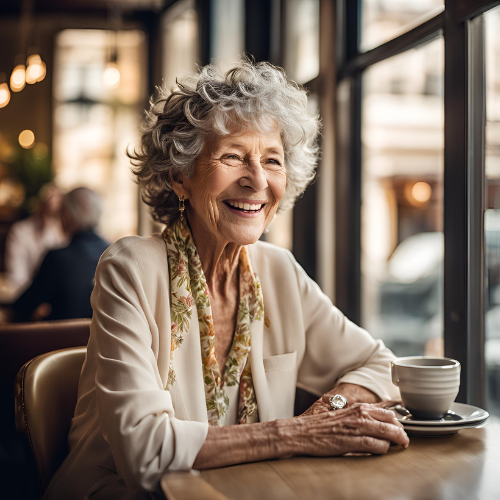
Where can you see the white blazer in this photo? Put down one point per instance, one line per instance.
(128, 428)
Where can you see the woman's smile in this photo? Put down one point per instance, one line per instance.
(244, 207)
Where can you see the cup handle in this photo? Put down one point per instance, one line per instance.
(394, 374)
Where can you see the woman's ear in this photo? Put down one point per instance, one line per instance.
(179, 184)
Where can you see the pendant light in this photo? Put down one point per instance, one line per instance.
(4, 91)
(18, 76)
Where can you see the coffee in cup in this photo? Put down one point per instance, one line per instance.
(428, 385)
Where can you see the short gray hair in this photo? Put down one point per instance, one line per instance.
(258, 95)
(84, 207)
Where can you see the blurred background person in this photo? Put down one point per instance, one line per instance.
(29, 240)
(62, 287)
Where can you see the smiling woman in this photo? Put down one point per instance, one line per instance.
(204, 327)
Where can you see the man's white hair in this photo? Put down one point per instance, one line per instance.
(84, 207)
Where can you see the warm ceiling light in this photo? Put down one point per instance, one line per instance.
(35, 71)
(111, 75)
(4, 95)
(27, 139)
(18, 78)
(421, 192)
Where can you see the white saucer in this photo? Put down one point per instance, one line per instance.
(469, 413)
(416, 430)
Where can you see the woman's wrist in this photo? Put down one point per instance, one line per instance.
(288, 432)
(355, 394)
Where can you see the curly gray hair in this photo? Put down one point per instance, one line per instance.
(256, 95)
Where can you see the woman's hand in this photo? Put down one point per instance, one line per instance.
(360, 428)
(352, 392)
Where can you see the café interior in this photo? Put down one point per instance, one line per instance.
(400, 228)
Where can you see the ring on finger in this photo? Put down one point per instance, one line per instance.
(337, 402)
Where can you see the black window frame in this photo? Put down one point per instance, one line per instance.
(461, 26)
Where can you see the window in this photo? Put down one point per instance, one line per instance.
(382, 20)
(402, 200)
(93, 123)
(492, 213)
(407, 180)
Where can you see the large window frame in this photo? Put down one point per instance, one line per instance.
(461, 25)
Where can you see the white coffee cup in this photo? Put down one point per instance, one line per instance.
(428, 385)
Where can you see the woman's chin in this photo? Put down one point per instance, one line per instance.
(245, 236)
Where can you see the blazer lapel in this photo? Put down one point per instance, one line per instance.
(262, 393)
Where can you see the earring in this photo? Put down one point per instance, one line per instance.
(181, 207)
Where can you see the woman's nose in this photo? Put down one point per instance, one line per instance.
(255, 176)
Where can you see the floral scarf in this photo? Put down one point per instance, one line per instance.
(188, 284)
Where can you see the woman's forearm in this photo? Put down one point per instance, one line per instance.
(359, 428)
(355, 393)
(236, 444)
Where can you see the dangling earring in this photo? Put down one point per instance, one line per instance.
(181, 207)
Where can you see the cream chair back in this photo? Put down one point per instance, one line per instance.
(46, 392)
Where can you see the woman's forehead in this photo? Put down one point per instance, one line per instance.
(246, 137)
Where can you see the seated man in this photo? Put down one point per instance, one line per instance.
(66, 276)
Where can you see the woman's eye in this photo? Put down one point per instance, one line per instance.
(273, 161)
(232, 159)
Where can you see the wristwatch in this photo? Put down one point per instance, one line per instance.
(337, 402)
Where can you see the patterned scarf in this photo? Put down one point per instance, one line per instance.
(188, 284)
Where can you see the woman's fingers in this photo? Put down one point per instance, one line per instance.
(368, 444)
(384, 430)
(367, 420)
(379, 423)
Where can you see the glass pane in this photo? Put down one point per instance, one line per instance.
(227, 38)
(383, 20)
(301, 57)
(96, 118)
(492, 214)
(180, 41)
(402, 201)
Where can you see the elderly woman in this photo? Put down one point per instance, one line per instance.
(201, 335)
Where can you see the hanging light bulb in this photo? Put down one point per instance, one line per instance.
(4, 91)
(4, 95)
(111, 73)
(36, 70)
(18, 76)
(27, 139)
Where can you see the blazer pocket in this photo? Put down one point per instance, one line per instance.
(281, 375)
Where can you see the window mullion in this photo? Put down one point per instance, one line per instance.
(456, 279)
(475, 166)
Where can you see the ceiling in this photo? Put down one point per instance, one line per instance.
(13, 7)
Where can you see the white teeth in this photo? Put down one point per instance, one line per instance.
(244, 206)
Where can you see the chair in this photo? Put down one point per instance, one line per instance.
(45, 396)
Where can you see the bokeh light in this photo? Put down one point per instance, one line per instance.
(27, 139)
(36, 69)
(18, 78)
(4, 95)
(111, 76)
(421, 192)
(40, 151)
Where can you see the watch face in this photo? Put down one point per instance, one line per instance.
(338, 402)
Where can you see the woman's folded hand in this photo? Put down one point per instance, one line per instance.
(360, 428)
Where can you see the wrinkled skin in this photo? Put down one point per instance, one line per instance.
(249, 166)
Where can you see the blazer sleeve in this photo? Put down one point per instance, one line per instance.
(336, 350)
(136, 414)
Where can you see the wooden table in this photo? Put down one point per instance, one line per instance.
(463, 466)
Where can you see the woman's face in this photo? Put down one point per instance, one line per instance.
(237, 183)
